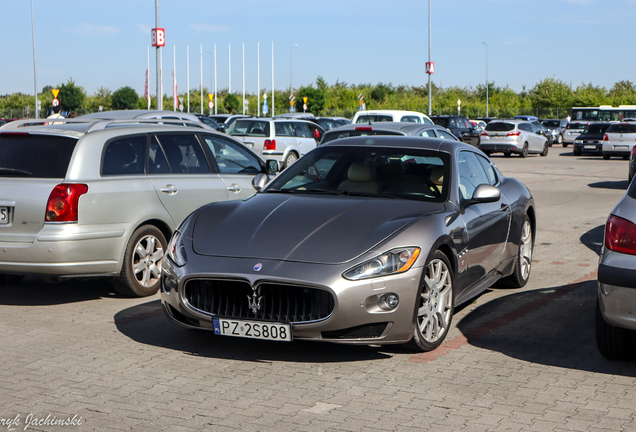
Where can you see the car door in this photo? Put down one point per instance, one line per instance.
(304, 138)
(236, 165)
(181, 175)
(536, 139)
(487, 224)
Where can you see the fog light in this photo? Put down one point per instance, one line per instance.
(391, 300)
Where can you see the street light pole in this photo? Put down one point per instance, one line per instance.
(291, 68)
(159, 77)
(430, 94)
(35, 76)
(486, 78)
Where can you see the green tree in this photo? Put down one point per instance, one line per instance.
(125, 98)
(315, 100)
(622, 93)
(71, 96)
(231, 103)
(589, 95)
(550, 93)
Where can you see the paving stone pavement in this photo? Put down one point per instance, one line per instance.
(514, 360)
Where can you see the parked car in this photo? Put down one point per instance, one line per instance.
(388, 128)
(364, 240)
(390, 116)
(591, 140)
(482, 124)
(283, 139)
(619, 139)
(632, 164)
(514, 136)
(328, 123)
(142, 115)
(556, 125)
(616, 304)
(572, 131)
(547, 133)
(461, 127)
(487, 119)
(226, 120)
(86, 197)
(208, 121)
(529, 118)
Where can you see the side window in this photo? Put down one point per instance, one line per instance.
(302, 130)
(471, 174)
(428, 133)
(231, 157)
(284, 129)
(490, 171)
(184, 153)
(157, 162)
(125, 156)
(445, 135)
(410, 119)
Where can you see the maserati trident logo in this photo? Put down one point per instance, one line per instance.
(254, 302)
(258, 267)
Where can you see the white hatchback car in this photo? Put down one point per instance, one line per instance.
(391, 116)
(282, 139)
(619, 139)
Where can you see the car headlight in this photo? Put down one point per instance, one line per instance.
(578, 142)
(392, 262)
(176, 249)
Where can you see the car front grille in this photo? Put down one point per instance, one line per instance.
(269, 301)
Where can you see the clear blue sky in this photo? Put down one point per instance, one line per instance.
(104, 43)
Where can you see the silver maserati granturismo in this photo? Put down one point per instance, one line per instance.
(365, 240)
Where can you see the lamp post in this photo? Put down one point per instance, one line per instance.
(35, 76)
(291, 69)
(430, 94)
(486, 78)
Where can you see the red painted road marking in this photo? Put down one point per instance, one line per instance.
(499, 322)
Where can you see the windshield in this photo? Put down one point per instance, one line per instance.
(257, 128)
(368, 171)
(37, 156)
(499, 127)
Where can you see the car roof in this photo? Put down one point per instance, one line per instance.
(400, 141)
(135, 114)
(401, 126)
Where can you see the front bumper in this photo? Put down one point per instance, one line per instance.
(595, 147)
(358, 305)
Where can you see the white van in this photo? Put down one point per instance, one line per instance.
(391, 116)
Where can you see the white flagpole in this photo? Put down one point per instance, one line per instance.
(216, 100)
(188, 73)
(148, 80)
(201, 78)
(243, 78)
(273, 105)
(175, 98)
(229, 85)
(258, 79)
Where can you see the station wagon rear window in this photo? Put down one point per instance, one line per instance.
(374, 118)
(249, 128)
(35, 156)
(499, 127)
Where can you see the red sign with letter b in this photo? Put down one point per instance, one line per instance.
(158, 36)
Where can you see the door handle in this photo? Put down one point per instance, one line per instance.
(234, 188)
(169, 189)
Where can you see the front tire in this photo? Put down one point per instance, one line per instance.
(141, 270)
(545, 150)
(560, 139)
(523, 263)
(577, 151)
(524, 151)
(606, 156)
(435, 304)
(613, 342)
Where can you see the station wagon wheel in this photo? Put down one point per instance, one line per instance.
(545, 149)
(524, 151)
(290, 159)
(435, 303)
(141, 269)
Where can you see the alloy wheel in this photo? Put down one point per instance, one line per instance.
(146, 260)
(436, 302)
(525, 250)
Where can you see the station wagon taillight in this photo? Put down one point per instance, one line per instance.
(484, 133)
(270, 145)
(514, 133)
(63, 202)
(605, 137)
(620, 235)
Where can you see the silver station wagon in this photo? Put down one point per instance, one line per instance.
(83, 198)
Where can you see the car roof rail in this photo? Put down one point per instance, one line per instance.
(100, 124)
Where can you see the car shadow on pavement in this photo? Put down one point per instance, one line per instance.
(593, 239)
(617, 184)
(32, 291)
(549, 326)
(147, 324)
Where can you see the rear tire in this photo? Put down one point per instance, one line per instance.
(564, 144)
(606, 156)
(577, 152)
(7, 280)
(560, 139)
(141, 269)
(613, 342)
(290, 159)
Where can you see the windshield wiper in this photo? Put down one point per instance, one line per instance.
(368, 194)
(15, 172)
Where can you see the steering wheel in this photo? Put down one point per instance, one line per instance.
(428, 182)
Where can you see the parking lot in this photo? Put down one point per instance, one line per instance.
(515, 360)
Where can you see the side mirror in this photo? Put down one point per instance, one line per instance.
(259, 182)
(485, 193)
(271, 166)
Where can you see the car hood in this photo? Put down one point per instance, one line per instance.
(302, 228)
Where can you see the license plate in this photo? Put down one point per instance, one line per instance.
(620, 147)
(4, 215)
(252, 329)
(498, 136)
(249, 144)
(589, 147)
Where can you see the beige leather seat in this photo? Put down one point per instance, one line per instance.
(437, 177)
(361, 178)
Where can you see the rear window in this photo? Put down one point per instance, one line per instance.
(499, 127)
(576, 125)
(374, 118)
(249, 128)
(596, 129)
(551, 123)
(441, 122)
(36, 156)
(622, 128)
(330, 136)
